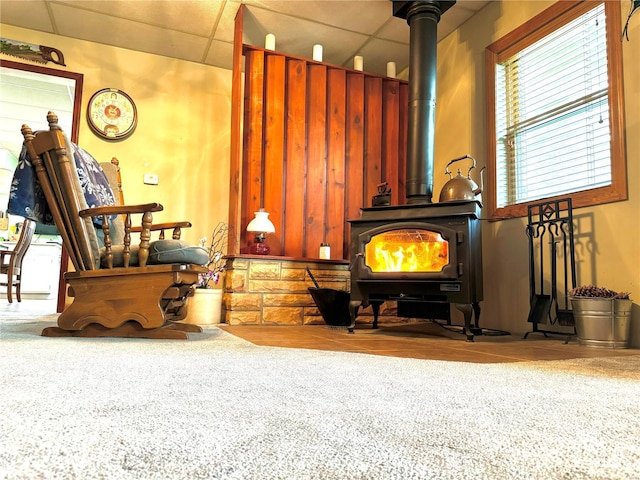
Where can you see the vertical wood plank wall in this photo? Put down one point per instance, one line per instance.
(317, 141)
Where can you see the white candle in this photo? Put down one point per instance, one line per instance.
(391, 69)
(358, 63)
(270, 41)
(317, 53)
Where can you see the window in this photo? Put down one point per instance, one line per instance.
(555, 115)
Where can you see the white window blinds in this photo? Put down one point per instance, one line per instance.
(552, 114)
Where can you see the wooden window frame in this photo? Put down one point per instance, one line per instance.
(528, 33)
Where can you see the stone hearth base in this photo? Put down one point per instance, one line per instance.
(270, 290)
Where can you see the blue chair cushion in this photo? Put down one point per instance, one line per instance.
(176, 251)
(160, 252)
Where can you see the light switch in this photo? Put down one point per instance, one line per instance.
(150, 179)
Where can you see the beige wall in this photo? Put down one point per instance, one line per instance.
(615, 262)
(183, 130)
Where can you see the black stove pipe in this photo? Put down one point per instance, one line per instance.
(423, 18)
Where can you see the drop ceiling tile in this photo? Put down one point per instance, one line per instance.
(226, 26)
(378, 52)
(36, 17)
(220, 54)
(362, 16)
(100, 28)
(202, 30)
(395, 29)
(297, 37)
(171, 14)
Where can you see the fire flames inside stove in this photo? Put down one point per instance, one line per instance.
(407, 250)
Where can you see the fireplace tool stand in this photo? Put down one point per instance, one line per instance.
(551, 223)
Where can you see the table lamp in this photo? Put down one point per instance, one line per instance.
(260, 225)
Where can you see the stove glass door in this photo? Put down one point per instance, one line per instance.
(407, 250)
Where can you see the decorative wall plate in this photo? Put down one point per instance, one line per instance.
(112, 114)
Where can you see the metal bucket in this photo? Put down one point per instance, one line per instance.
(333, 306)
(602, 322)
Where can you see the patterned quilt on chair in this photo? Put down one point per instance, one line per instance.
(27, 199)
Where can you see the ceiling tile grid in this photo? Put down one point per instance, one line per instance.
(202, 30)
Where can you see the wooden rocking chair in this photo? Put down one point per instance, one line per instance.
(123, 290)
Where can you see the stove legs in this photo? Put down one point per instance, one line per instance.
(476, 312)
(375, 306)
(469, 310)
(354, 305)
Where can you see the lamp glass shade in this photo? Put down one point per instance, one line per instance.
(261, 223)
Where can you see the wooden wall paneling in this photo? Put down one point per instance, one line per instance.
(335, 201)
(390, 129)
(373, 137)
(316, 159)
(252, 151)
(317, 141)
(295, 164)
(400, 197)
(354, 161)
(274, 138)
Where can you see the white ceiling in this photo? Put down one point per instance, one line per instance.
(202, 30)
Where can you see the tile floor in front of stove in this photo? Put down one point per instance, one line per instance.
(424, 340)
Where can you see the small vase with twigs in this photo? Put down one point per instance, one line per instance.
(217, 250)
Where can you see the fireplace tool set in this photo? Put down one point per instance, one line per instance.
(551, 223)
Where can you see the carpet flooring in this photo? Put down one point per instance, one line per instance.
(219, 407)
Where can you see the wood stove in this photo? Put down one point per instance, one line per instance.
(423, 255)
